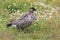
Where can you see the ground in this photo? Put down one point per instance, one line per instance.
(46, 27)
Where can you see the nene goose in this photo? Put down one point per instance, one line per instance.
(25, 20)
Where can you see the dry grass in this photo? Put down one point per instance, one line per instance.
(46, 27)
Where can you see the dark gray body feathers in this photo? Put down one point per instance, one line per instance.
(25, 20)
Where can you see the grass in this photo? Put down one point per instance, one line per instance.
(44, 28)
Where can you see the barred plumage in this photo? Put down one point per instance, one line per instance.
(25, 20)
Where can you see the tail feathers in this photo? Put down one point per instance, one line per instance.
(9, 24)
